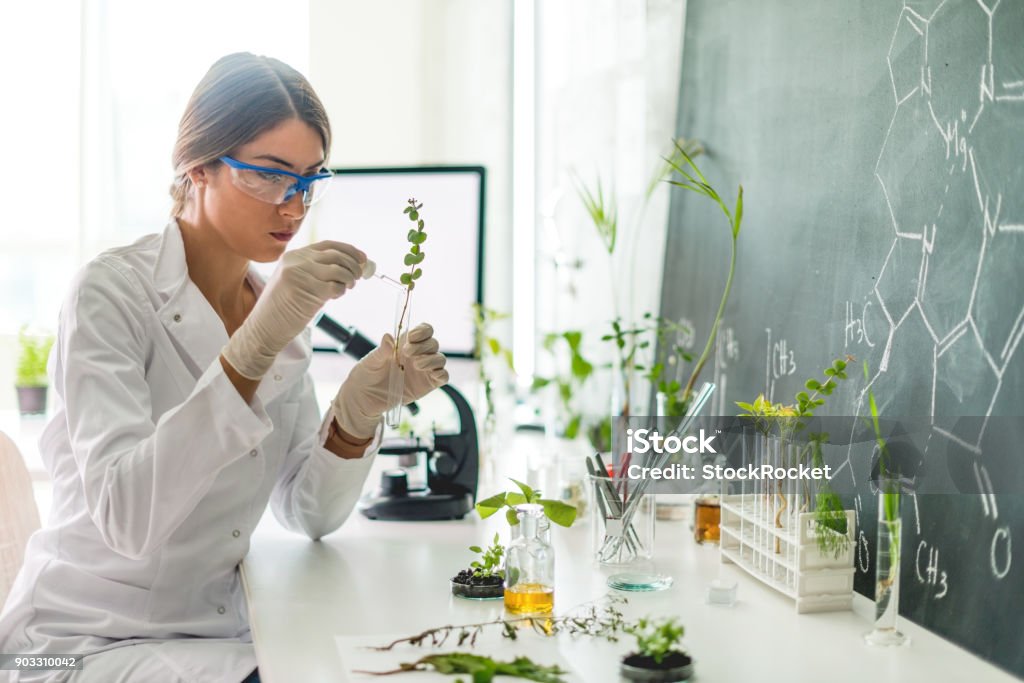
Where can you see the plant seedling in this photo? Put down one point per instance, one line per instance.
(490, 559)
(31, 370)
(558, 512)
(829, 515)
(657, 644)
(416, 237)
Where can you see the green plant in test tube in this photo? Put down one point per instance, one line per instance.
(416, 237)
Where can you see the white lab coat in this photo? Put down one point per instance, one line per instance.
(160, 473)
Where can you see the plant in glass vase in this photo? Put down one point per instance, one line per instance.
(396, 380)
(493, 360)
(680, 170)
(568, 383)
(888, 553)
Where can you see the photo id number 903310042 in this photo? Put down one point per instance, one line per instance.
(39, 662)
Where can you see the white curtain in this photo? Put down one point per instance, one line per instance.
(608, 84)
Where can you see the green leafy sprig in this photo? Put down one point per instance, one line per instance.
(603, 213)
(656, 638)
(416, 237)
(482, 669)
(580, 370)
(598, 619)
(558, 512)
(696, 182)
(489, 563)
(486, 344)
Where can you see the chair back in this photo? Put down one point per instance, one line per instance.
(19, 516)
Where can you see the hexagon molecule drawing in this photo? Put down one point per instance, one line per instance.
(953, 279)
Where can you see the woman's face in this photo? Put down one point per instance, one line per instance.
(252, 228)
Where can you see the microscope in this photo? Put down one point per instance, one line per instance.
(451, 460)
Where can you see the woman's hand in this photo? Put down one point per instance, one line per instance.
(363, 397)
(304, 281)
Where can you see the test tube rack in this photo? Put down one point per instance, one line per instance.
(767, 530)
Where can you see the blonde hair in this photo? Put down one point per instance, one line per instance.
(240, 97)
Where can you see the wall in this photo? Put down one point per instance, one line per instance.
(418, 82)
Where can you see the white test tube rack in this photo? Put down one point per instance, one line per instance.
(768, 530)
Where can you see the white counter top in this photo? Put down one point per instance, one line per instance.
(391, 578)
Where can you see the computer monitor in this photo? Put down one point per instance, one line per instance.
(364, 206)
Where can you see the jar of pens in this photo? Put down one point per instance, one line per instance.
(624, 517)
(622, 530)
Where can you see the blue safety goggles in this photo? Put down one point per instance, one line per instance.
(274, 185)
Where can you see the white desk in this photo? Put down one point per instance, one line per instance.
(391, 578)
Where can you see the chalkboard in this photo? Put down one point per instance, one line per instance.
(881, 151)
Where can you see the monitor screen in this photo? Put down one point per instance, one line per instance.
(364, 207)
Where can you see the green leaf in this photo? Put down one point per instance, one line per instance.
(581, 368)
(803, 397)
(572, 430)
(417, 273)
(813, 384)
(512, 499)
(476, 549)
(511, 517)
(412, 286)
(739, 214)
(409, 259)
(494, 345)
(527, 491)
(419, 255)
(419, 224)
(558, 512)
(418, 237)
(489, 506)
(407, 209)
(405, 279)
(410, 235)
(745, 406)
(573, 338)
(539, 383)
(414, 215)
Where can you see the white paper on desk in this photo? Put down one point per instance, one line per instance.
(542, 650)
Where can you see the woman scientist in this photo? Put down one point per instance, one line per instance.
(184, 403)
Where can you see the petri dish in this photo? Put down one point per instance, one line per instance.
(639, 582)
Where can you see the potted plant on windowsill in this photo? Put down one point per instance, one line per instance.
(484, 579)
(658, 657)
(31, 382)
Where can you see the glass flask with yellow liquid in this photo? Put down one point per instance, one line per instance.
(530, 564)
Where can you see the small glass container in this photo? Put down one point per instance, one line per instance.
(707, 514)
(622, 527)
(530, 564)
(396, 374)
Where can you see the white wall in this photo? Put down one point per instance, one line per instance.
(412, 82)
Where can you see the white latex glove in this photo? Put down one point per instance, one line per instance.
(304, 281)
(363, 397)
